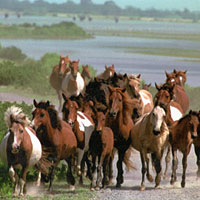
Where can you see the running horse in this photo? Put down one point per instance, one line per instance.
(73, 84)
(149, 135)
(55, 135)
(20, 148)
(109, 72)
(86, 73)
(119, 119)
(180, 95)
(57, 75)
(82, 125)
(181, 138)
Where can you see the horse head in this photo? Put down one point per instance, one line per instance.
(63, 68)
(86, 72)
(109, 71)
(45, 115)
(193, 123)
(157, 117)
(171, 79)
(73, 65)
(69, 111)
(100, 121)
(181, 77)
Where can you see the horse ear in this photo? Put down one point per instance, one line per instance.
(35, 103)
(106, 67)
(157, 86)
(124, 90)
(138, 76)
(190, 112)
(149, 85)
(113, 66)
(175, 71)
(185, 71)
(167, 75)
(47, 104)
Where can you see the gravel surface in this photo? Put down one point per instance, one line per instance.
(132, 179)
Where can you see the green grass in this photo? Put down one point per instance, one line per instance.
(63, 30)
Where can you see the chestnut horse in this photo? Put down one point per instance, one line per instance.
(119, 120)
(150, 135)
(56, 135)
(20, 147)
(180, 95)
(109, 72)
(181, 138)
(101, 147)
(85, 73)
(82, 125)
(73, 83)
(58, 73)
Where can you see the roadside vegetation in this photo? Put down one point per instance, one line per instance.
(63, 30)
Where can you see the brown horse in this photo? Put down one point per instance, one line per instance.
(82, 125)
(150, 135)
(73, 83)
(101, 147)
(58, 73)
(20, 147)
(180, 95)
(56, 135)
(109, 72)
(181, 138)
(146, 86)
(85, 73)
(119, 120)
(181, 77)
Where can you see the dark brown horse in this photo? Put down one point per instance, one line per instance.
(181, 138)
(109, 72)
(120, 121)
(58, 73)
(101, 147)
(20, 147)
(56, 135)
(180, 95)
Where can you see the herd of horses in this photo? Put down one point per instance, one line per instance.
(102, 116)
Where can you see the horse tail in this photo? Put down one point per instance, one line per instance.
(127, 161)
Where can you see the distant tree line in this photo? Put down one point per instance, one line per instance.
(87, 7)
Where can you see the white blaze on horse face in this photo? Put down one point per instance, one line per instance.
(173, 80)
(111, 73)
(158, 117)
(36, 148)
(175, 113)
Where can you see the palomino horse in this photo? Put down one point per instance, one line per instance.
(101, 147)
(20, 147)
(180, 95)
(58, 73)
(56, 135)
(73, 83)
(150, 135)
(181, 138)
(109, 72)
(145, 97)
(119, 120)
(82, 126)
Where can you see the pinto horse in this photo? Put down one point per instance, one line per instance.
(101, 147)
(181, 138)
(82, 125)
(73, 83)
(20, 147)
(180, 95)
(119, 119)
(58, 73)
(57, 135)
(150, 135)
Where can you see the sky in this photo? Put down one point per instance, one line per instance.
(193, 5)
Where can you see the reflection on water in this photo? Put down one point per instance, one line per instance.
(111, 50)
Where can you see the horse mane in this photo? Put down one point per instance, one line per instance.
(186, 116)
(15, 114)
(53, 114)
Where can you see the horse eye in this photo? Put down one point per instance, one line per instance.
(167, 96)
(42, 115)
(21, 130)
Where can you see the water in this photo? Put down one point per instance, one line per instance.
(111, 50)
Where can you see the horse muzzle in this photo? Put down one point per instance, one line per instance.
(15, 148)
(156, 132)
(194, 135)
(113, 114)
(71, 123)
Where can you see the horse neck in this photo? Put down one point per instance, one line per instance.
(79, 134)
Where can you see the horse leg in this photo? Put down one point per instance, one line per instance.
(120, 168)
(82, 169)
(59, 92)
(110, 168)
(89, 165)
(197, 152)
(158, 168)
(51, 177)
(93, 184)
(144, 169)
(99, 169)
(149, 176)
(105, 180)
(22, 181)
(80, 157)
(69, 175)
(167, 160)
(39, 179)
(174, 166)
(14, 178)
(184, 163)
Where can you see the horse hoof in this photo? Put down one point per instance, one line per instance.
(150, 178)
(72, 187)
(118, 185)
(97, 188)
(182, 184)
(92, 189)
(158, 187)
(172, 182)
(142, 188)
